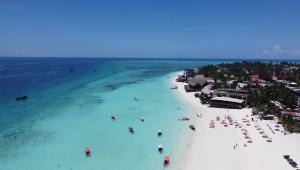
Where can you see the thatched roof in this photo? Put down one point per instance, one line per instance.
(197, 80)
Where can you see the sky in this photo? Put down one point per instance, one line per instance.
(150, 28)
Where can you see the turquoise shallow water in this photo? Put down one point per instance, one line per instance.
(82, 124)
(67, 111)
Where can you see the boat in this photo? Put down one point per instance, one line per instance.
(142, 119)
(175, 87)
(166, 161)
(160, 148)
(21, 97)
(184, 119)
(192, 127)
(87, 151)
(159, 133)
(130, 129)
(113, 117)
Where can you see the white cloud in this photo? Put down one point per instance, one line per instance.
(278, 51)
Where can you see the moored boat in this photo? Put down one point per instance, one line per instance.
(159, 133)
(87, 151)
(160, 148)
(166, 161)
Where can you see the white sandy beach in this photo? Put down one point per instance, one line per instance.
(213, 148)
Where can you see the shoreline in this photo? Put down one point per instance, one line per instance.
(214, 148)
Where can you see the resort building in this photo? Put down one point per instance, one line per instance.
(254, 78)
(205, 94)
(181, 78)
(233, 93)
(264, 116)
(295, 117)
(240, 86)
(227, 102)
(195, 83)
(190, 72)
(187, 74)
(210, 80)
(291, 85)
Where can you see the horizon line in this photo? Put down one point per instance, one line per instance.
(195, 58)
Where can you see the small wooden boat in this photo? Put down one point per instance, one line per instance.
(192, 127)
(166, 161)
(159, 133)
(184, 118)
(113, 117)
(21, 97)
(175, 87)
(142, 119)
(160, 148)
(130, 129)
(87, 151)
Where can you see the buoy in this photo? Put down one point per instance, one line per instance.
(166, 160)
(87, 151)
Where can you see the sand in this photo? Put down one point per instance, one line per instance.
(222, 148)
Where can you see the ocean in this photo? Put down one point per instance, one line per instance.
(70, 101)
